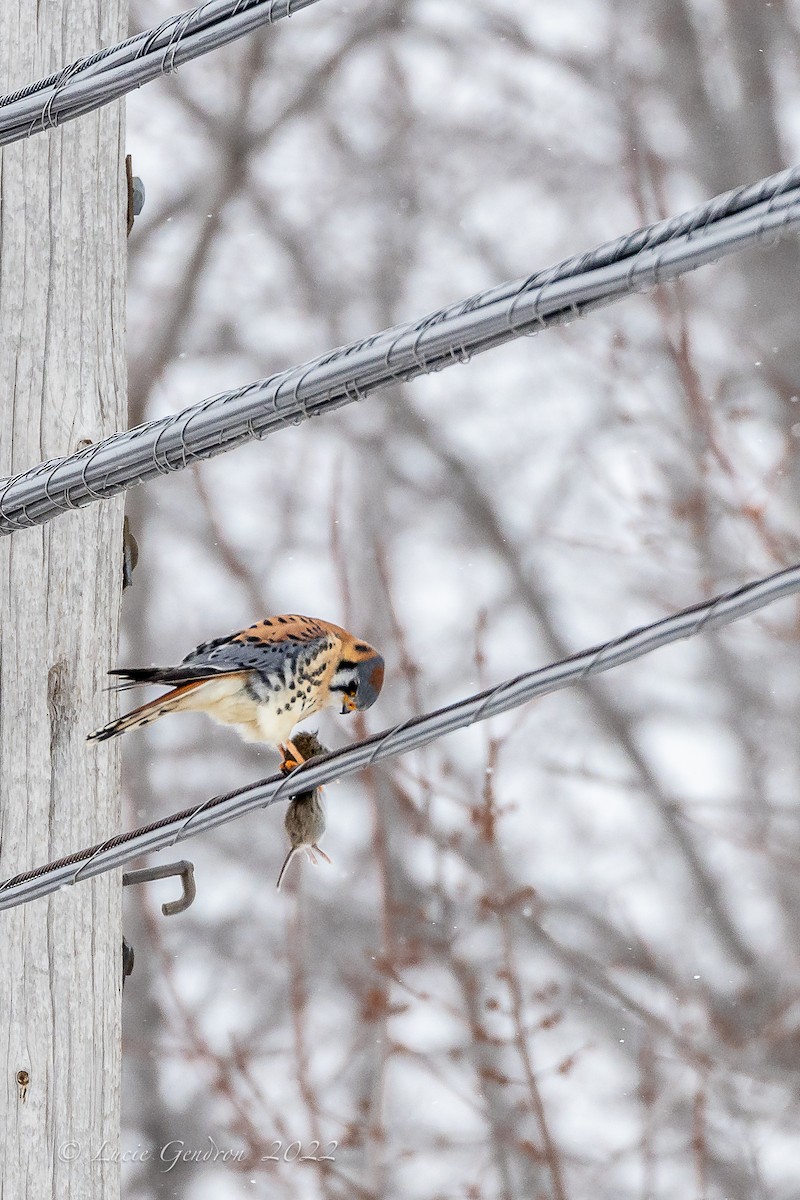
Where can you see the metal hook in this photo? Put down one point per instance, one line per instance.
(184, 869)
(136, 193)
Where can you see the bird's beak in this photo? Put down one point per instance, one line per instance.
(348, 705)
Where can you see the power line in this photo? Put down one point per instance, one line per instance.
(570, 289)
(410, 735)
(108, 74)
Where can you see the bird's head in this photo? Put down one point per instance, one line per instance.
(358, 677)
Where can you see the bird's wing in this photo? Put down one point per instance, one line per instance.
(271, 648)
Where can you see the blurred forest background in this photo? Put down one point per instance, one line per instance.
(556, 956)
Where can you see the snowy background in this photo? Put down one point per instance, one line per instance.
(556, 956)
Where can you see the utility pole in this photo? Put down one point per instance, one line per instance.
(62, 383)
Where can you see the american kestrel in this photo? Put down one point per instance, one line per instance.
(263, 680)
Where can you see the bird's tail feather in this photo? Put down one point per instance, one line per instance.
(129, 677)
(171, 702)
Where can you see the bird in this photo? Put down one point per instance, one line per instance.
(263, 679)
(305, 814)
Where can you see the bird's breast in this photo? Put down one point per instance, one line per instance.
(284, 700)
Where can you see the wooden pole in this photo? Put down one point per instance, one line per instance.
(62, 381)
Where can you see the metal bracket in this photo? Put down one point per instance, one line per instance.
(184, 869)
(135, 192)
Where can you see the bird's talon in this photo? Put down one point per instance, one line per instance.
(292, 758)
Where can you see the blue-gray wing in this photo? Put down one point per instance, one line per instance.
(273, 648)
(271, 660)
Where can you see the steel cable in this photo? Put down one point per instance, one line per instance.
(766, 210)
(410, 735)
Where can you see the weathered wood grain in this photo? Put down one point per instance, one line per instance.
(62, 380)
